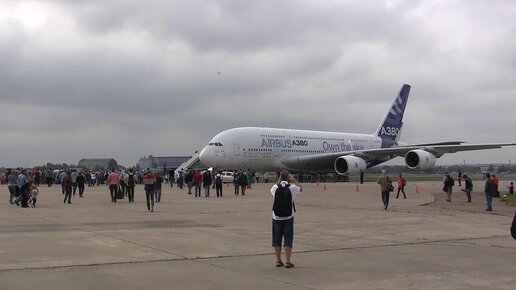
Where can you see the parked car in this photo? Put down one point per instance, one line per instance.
(227, 176)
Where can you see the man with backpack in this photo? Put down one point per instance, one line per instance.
(448, 186)
(468, 188)
(218, 183)
(284, 194)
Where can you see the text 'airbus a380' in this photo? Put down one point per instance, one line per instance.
(319, 151)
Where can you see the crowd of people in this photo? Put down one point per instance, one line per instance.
(490, 187)
(23, 191)
(23, 184)
(206, 180)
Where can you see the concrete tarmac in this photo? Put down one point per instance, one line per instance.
(343, 240)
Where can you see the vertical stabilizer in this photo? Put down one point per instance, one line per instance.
(390, 128)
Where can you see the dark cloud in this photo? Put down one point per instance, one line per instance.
(162, 77)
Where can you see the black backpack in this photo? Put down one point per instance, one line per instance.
(283, 204)
(469, 183)
(450, 181)
(130, 180)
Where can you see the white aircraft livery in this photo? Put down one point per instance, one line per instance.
(318, 151)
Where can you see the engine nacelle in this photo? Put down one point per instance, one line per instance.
(346, 165)
(419, 160)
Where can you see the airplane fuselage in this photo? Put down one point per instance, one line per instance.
(319, 151)
(264, 148)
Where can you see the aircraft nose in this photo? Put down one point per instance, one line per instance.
(204, 156)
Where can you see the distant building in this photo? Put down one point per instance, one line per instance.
(489, 169)
(168, 162)
(98, 163)
(145, 162)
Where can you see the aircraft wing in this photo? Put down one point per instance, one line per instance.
(325, 161)
(440, 143)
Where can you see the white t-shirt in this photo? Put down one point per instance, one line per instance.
(294, 190)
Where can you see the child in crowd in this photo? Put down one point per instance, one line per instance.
(34, 194)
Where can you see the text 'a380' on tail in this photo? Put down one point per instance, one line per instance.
(390, 128)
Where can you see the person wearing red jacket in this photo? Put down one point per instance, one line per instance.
(113, 181)
(401, 186)
(67, 185)
(149, 181)
(197, 180)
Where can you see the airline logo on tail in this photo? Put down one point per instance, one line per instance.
(398, 107)
(390, 129)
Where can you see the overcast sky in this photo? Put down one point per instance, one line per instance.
(123, 79)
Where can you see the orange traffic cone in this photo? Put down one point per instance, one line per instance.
(357, 189)
(325, 188)
(417, 189)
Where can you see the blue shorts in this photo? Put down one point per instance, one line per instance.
(283, 230)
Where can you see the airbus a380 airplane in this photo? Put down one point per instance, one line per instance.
(319, 151)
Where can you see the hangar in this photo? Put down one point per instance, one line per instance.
(98, 163)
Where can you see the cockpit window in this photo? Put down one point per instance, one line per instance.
(211, 144)
(218, 144)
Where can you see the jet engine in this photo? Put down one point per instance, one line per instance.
(419, 160)
(346, 165)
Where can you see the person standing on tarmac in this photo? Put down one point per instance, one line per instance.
(67, 185)
(448, 186)
(197, 180)
(385, 182)
(236, 182)
(113, 181)
(12, 183)
(284, 193)
(206, 182)
(149, 180)
(468, 187)
(242, 178)
(218, 183)
(131, 181)
(74, 175)
(157, 188)
(23, 187)
(189, 181)
(401, 186)
(50, 177)
(81, 180)
(490, 191)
